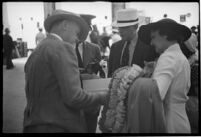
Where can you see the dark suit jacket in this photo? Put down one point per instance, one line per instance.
(141, 53)
(91, 52)
(53, 89)
(145, 108)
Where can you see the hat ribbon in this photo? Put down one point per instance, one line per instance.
(126, 21)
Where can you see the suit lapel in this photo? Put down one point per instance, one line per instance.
(136, 52)
(85, 54)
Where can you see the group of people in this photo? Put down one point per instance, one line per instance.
(56, 100)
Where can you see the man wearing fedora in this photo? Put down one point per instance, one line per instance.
(88, 55)
(89, 52)
(130, 49)
(172, 71)
(55, 99)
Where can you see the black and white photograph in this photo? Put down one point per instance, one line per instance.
(101, 67)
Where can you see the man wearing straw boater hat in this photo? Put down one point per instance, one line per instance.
(130, 50)
(172, 71)
(55, 99)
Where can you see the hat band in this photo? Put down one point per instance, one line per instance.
(126, 21)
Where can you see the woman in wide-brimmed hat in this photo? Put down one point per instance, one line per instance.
(172, 71)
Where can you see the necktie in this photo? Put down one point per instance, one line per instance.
(80, 63)
(125, 56)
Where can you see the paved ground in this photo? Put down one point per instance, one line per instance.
(14, 99)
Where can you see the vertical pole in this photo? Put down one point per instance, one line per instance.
(115, 7)
(48, 8)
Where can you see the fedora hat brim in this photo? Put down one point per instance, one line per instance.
(144, 32)
(68, 16)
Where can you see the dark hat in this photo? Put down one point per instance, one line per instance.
(180, 30)
(7, 30)
(88, 18)
(61, 15)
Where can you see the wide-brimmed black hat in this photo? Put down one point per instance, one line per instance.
(62, 15)
(88, 18)
(180, 30)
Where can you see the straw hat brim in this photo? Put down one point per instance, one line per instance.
(73, 17)
(145, 30)
(116, 24)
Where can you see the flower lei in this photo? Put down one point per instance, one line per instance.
(113, 116)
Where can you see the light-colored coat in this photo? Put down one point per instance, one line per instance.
(172, 74)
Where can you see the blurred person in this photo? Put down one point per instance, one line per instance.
(55, 99)
(94, 35)
(39, 36)
(8, 47)
(172, 71)
(130, 49)
(105, 46)
(89, 57)
(194, 30)
(190, 49)
(105, 33)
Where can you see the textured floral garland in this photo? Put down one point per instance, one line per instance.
(114, 114)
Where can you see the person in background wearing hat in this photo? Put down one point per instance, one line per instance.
(39, 36)
(88, 55)
(55, 99)
(8, 47)
(172, 71)
(130, 49)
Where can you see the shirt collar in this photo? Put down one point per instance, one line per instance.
(56, 36)
(173, 47)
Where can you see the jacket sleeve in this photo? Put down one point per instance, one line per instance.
(63, 63)
(164, 72)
